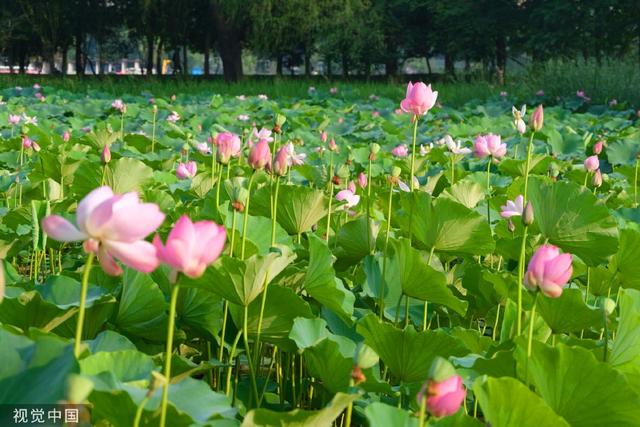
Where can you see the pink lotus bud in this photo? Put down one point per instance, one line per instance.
(490, 145)
(597, 148)
(105, 156)
(35, 146)
(14, 119)
(362, 180)
(186, 170)
(173, 117)
(351, 186)
(597, 179)
(527, 214)
(228, 145)
(548, 270)
(521, 126)
(400, 151)
(332, 145)
(591, 163)
(537, 119)
(203, 148)
(173, 97)
(260, 155)
(333, 90)
(281, 162)
(26, 142)
(444, 396)
(119, 105)
(323, 137)
(66, 136)
(419, 99)
(191, 247)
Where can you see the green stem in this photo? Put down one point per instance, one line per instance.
(406, 311)
(413, 150)
(453, 169)
(168, 352)
(330, 196)
(521, 261)
(423, 412)
(153, 133)
(384, 255)
(256, 344)
(232, 355)
(531, 322)
(218, 187)
(225, 312)
(426, 303)
(528, 165)
(122, 127)
(139, 410)
(245, 334)
(369, 204)
(233, 232)
(104, 174)
(606, 332)
(266, 383)
(635, 185)
(83, 300)
(245, 221)
(275, 212)
(347, 418)
(489, 192)
(495, 325)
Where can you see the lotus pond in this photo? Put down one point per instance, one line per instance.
(239, 260)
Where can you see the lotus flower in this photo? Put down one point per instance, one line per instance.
(295, 159)
(518, 119)
(228, 145)
(186, 170)
(597, 147)
(191, 247)
(456, 148)
(490, 145)
(540, 93)
(349, 197)
(173, 117)
(362, 180)
(537, 119)
(445, 397)
(203, 148)
(260, 155)
(512, 208)
(281, 161)
(419, 99)
(264, 133)
(113, 227)
(119, 105)
(323, 137)
(548, 270)
(591, 163)
(66, 136)
(105, 155)
(332, 145)
(243, 117)
(400, 151)
(14, 119)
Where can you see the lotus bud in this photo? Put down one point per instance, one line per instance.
(596, 181)
(105, 156)
(527, 214)
(374, 148)
(537, 119)
(396, 171)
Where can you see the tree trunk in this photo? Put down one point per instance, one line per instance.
(229, 45)
(65, 59)
(22, 60)
(449, 64)
(159, 57)
(307, 63)
(391, 66)
(329, 67)
(429, 70)
(207, 41)
(345, 66)
(185, 61)
(279, 65)
(150, 46)
(79, 62)
(501, 58)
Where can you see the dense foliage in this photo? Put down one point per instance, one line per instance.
(347, 292)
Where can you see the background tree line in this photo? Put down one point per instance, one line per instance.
(352, 35)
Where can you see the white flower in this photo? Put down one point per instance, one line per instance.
(349, 197)
(456, 148)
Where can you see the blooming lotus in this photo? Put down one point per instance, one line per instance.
(400, 151)
(228, 145)
(14, 119)
(490, 145)
(186, 170)
(173, 117)
(548, 270)
(264, 133)
(203, 148)
(419, 99)
(263, 97)
(119, 105)
(513, 208)
(295, 159)
(518, 118)
(191, 247)
(349, 197)
(243, 117)
(456, 148)
(112, 226)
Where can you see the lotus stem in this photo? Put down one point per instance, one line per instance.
(384, 254)
(527, 167)
(168, 353)
(245, 221)
(521, 262)
(153, 131)
(423, 411)
(413, 150)
(83, 301)
(252, 372)
(275, 212)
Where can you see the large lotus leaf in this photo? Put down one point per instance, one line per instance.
(142, 312)
(110, 341)
(299, 208)
(626, 347)
(624, 152)
(356, 240)
(408, 353)
(240, 282)
(123, 365)
(321, 282)
(466, 192)
(570, 378)
(506, 402)
(300, 417)
(200, 312)
(34, 372)
(445, 225)
(627, 259)
(573, 219)
(331, 362)
(381, 415)
(408, 270)
(568, 313)
(308, 332)
(127, 174)
(282, 307)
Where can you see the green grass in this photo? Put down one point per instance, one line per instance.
(619, 79)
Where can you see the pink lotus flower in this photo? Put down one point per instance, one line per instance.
(591, 163)
(281, 161)
(540, 93)
(351, 186)
(456, 147)
(503, 94)
(537, 119)
(105, 156)
(191, 247)
(203, 148)
(14, 119)
(349, 197)
(548, 270)
(36, 86)
(241, 98)
(260, 155)
(333, 90)
(580, 94)
(398, 111)
(29, 120)
(228, 145)
(263, 97)
(362, 180)
(513, 208)
(400, 151)
(444, 398)
(113, 227)
(186, 170)
(597, 179)
(66, 136)
(263, 134)
(518, 119)
(119, 105)
(295, 159)
(26, 142)
(332, 145)
(173, 117)
(490, 145)
(243, 117)
(173, 97)
(419, 99)
(323, 137)
(375, 114)
(597, 148)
